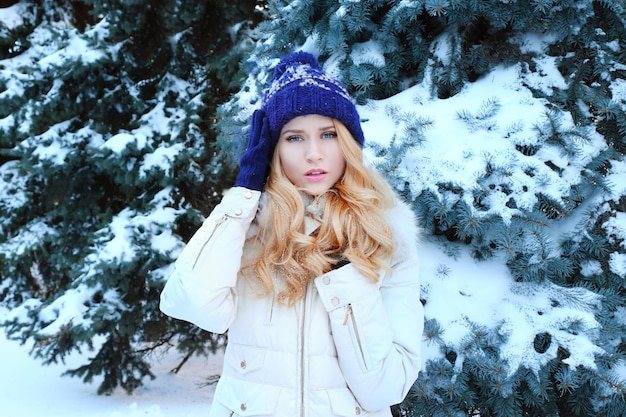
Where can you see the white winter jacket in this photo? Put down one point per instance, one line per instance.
(351, 347)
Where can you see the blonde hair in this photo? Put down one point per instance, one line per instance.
(352, 226)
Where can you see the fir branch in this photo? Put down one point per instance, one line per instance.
(433, 332)
(361, 77)
(552, 208)
(436, 7)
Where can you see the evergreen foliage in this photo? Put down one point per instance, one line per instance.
(107, 167)
(510, 211)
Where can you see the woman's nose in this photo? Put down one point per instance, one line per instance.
(314, 152)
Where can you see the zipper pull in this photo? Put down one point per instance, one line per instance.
(348, 313)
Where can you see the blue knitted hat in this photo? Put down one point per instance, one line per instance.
(300, 87)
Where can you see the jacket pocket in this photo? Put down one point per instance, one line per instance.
(343, 403)
(351, 321)
(244, 359)
(246, 399)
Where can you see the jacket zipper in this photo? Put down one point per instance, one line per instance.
(302, 353)
(350, 316)
(217, 222)
(272, 308)
(302, 373)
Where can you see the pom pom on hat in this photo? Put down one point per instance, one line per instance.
(300, 87)
(293, 60)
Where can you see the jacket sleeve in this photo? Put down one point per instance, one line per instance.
(201, 289)
(377, 327)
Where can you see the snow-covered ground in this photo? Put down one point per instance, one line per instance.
(29, 389)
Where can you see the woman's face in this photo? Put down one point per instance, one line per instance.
(310, 154)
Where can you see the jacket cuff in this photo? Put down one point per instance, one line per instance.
(240, 202)
(343, 286)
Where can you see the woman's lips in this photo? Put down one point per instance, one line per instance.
(315, 175)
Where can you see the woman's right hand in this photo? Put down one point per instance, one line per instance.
(255, 162)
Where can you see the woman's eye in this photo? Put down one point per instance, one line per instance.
(294, 139)
(329, 135)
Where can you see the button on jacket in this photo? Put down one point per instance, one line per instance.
(350, 347)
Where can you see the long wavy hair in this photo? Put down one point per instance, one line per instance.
(352, 227)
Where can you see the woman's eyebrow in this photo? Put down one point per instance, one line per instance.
(291, 131)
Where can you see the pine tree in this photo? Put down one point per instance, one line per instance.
(106, 167)
(509, 211)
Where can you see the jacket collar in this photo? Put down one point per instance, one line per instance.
(313, 212)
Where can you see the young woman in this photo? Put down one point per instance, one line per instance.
(309, 263)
